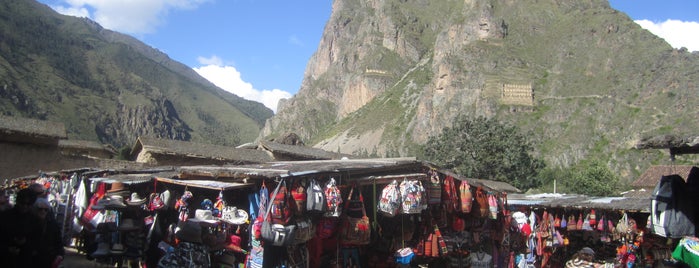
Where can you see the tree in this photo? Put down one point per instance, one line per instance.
(594, 178)
(486, 149)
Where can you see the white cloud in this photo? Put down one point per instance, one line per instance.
(73, 11)
(294, 40)
(126, 16)
(228, 78)
(677, 33)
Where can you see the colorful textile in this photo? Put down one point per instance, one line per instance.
(687, 251)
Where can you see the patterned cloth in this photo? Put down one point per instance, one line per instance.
(186, 254)
(579, 263)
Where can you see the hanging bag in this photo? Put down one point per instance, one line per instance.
(572, 225)
(435, 188)
(315, 197)
(564, 222)
(356, 231)
(623, 226)
(412, 197)
(276, 234)
(580, 222)
(482, 200)
(601, 223)
(298, 193)
(493, 206)
(305, 230)
(333, 198)
(279, 204)
(465, 196)
(450, 197)
(593, 218)
(389, 202)
(92, 217)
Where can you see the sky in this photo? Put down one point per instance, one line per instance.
(258, 49)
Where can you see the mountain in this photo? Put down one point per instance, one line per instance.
(109, 87)
(580, 78)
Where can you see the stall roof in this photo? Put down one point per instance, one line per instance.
(580, 202)
(301, 152)
(126, 178)
(355, 167)
(198, 150)
(488, 184)
(208, 184)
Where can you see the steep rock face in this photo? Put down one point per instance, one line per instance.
(109, 87)
(581, 78)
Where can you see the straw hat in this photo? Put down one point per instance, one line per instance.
(136, 200)
(234, 215)
(115, 202)
(205, 216)
(116, 187)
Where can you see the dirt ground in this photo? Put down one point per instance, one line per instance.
(74, 258)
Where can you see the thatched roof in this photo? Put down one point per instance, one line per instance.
(86, 145)
(652, 175)
(199, 150)
(580, 202)
(25, 130)
(300, 152)
(676, 144)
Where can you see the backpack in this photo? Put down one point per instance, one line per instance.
(493, 206)
(434, 188)
(412, 197)
(298, 193)
(671, 208)
(333, 199)
(280, 212)
(315, 197)
(450, 197)
(389, 203)
(465, 196)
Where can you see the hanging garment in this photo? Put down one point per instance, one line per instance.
(480, 259)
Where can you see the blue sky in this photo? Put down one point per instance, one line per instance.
(259, 49)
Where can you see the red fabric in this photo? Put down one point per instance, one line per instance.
(526, 229)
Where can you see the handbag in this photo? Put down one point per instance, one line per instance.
(356, 231)
(623, 226)
(305, 230)
(277, 234)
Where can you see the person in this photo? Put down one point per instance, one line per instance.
(583, 259)
(18, 232)
(50, 250)
(4, 201)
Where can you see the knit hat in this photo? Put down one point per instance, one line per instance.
(587, 250)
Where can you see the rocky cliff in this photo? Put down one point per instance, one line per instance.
(108, 87)
(582, 78)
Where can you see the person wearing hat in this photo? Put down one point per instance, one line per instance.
(49, 252)
(584, 258)
(190, 250)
